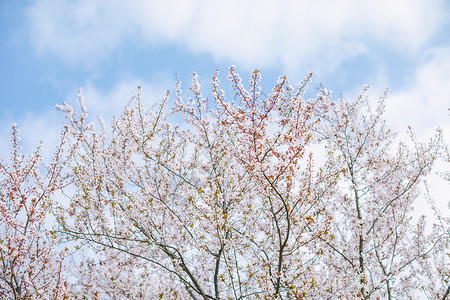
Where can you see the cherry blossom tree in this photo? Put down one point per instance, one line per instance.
(435, 275)
(218, 197)
(209, 198)
(376, 250)
(440, 286)
(31, 264)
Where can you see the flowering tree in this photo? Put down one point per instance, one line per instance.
(30, 265)
(441, 259)
(219, 199)
(376, 250)
(221, 205)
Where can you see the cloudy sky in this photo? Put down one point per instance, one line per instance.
(50, 48)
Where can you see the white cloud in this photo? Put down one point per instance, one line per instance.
(424, 102)
(295, 34)
(77, 31)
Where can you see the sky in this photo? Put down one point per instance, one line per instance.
(51, 48)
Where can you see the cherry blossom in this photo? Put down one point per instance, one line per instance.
(31, 259)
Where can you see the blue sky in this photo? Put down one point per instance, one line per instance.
(50, 48)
